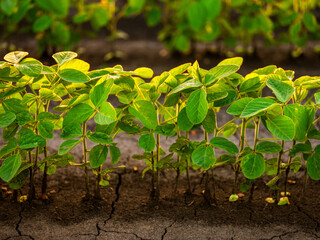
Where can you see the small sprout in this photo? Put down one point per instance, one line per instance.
(283, 201)
(233, 198)
(270, 200)
(23, 198)
(135, 169)
(240, 195)
(292, 182)
(288, 194)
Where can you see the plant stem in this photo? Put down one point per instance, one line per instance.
(213, 186)
(279, 168)
(207, 193)
(187, 168)
(45, 153)
(31, 194)
(178, 157)
(305, 183)
(242, 140)
(97, 193)
(84, 146)
(157, 193)
(152, 194)
(288, 170)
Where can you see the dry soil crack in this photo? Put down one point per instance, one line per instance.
(166, 229)
(113, 208)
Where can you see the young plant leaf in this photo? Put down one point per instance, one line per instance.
(63, 57)
(250, 84)
(256, 106)
(283, 91)
(6, 119)
(106, 115)
(144, 72)
(209, 123)
(204, 157)
(237, 107)
(73, 75)
(9, 148)
(77, 114)
(31, 140)
(30, 67)
(218, 72)
(232, 61)
(313, 166)
(300, 148)
(197, 106)
(183, 120)
(66, 146)
(45, 129)
(115, 154)
(268, 147)
(252, 166)
(15, 57)
(187, 85)
(98, 155)
(99, 137)
(299, 116)
(100, 92)
(224, 144)
(10, 167)
(147, 142)
(282, 127)
(145, 111)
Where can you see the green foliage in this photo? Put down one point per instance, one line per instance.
(192, 101)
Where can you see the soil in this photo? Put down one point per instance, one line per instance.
(126, 212)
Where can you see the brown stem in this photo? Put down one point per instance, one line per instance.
(84, 145)
(97, 193)
(278, 170)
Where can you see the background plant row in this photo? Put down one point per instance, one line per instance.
(62, 23)
(37, 100)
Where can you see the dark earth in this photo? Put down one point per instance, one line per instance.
(126, 211)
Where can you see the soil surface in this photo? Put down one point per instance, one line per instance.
(127, 211)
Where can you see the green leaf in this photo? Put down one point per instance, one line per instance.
(59, 7)
(30, 67)
(100, 92)
(204, 157)
(147, 142)
(98, 155)
(45, 129)
(99, 137)
(268, 147)
(31, 140)
(8, 6)
(9, 74)
(107, 114)
(197, 106)
(10, 167)
(48, 116)
(209, 123)
(183, 120)
(317, 98)
(9, 148)
(63, 57)
(99, 18)
(215, 96)
(144, 72)
(299, 116)
(49, 94)
(256, 106)
(252, 166)
(10, 131)
(229, 129)
(232, 61)
(136, 5)
(196, 15)
(271, 166)
(283, 91)
(77, 114)
(296, 164)
(237, 107)
(24, 118)
(15, 57)
(313, 166)
(250, 84)
(224, 144)
(282, 127)
(154, 16)
(73, 75)
(218, 72)
(6, 119)
(115, 154)
(300, 148)
(310, 21)
(14, 105)
(187, 85)
(42, 23)
(145, 111)
(66, 146)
